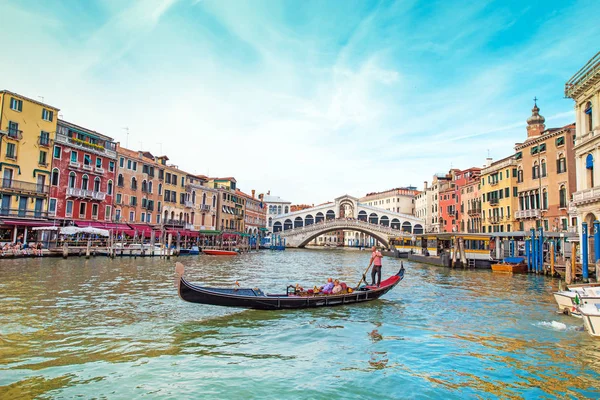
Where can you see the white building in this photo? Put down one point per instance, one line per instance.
(400, 200)
(275, 206)
(584, 88)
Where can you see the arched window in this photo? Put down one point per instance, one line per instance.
(589, 166)
(535, 170)
(214, 201)
(149, 186)
(120, 181)
(194, 197)
(97, 184)
(160, 189)
(203, 198)
(562, 195)
(544, 199)
(84, 182)
(543, 168)
(71, 179)
(144, 185)
(287, 210)
(588, 116)
(561, 163)
(55, 177)
(133, 183)
(109, 188)
(278, 209)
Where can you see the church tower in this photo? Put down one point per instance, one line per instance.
(535, 123)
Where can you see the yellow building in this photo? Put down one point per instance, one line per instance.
(27, 129)
(499, 196)
(231, 207)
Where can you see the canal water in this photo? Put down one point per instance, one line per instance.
(103, 328)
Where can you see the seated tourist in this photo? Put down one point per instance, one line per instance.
(337, 288)
(328, 287)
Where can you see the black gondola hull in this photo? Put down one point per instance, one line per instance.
(254, 298)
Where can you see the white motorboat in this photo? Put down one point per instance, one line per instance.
(569, 300)
(591, 318)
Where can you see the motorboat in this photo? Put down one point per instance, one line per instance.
(590, 313)
(569, 300)
(215, 252)
(511, 265)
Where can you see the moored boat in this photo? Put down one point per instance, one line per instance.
(511, 265)
(214, 252)
(257, 299)
(569, 300)
(590, 313)
(194, 251)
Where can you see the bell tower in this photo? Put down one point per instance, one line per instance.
(535, 123)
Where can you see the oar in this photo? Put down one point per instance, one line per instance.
(364, 277)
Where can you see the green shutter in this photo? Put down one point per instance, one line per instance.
(560, 141)
(515, 192)
(534, 150)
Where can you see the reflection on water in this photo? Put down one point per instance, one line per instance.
(116, 329)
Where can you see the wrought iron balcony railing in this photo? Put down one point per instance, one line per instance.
(24, 186)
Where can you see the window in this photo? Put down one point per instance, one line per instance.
(131, 216)
(109, 188)
(52, 206)
(560, 141)
(82, 208)
(72, 179)
(562, 195)
(564, 224)
(535, 171)
(143, 217)
(111, 166)
(173, 179)
(73, 156)
(543, 168)
(54, 177)
(542, 147)
(57, 150)
(98, 162)
(133, 183)
(133, 201)
(515, 191)
(118, 201)
(544, 200)
(128, 164)
(121, 162)
(520, 176)
(588, 116)
(87, 159)
(11, 151)
(96, 184)
(69, 208)
(84, 182)
(13, 130)
(107, 212)
(120, 181)
(150, 187)
(117, 215)
(507, 192)
(160, 189)
(16, 104)
(158, 219)
(44, 138)
(42, 158)
(94, 211)
(47, 115)
(135, 165)
(561, 164)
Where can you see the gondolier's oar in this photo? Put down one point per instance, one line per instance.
(364, 276)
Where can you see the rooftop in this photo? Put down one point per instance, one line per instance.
(274, 199)
(588, 74)
(81, 128)
(29, 99)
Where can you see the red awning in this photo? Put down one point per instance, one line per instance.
(116, 227)
(141, 227)
(192, 233)
(93, 224)
(230, 235)
(25, 222)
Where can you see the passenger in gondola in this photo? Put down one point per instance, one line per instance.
(337, 287)
(328, 287)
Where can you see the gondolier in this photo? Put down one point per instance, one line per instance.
(376, 261)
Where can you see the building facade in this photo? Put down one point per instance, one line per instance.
(584, 89)
(499, 193)
(545, 175)
(255, 213)
(470, 207)
(230, 214)
(82, 183)
(202, 200)
(27, 129)
(400, 200)
(275, 207)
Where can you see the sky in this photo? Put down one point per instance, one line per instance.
(309, 100)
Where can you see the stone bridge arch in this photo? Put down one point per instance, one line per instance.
(380, 238)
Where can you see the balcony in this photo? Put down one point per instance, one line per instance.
(87, 167)
(174, 223)
(189, 204)
(586, 196)
(494, 219)
(74, 164)
(521, 214)
(474, 211)
(189, 227)
(494, 201)
(91, 147)
(14, 134)
(204, 208)
(87, 194)
(99, 170)
(20, 213)
(43, 141)
(494, 183)
(24, 187)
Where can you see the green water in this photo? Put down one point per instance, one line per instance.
(104, 328)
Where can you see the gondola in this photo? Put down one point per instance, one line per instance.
(257, 299)
(220, 252)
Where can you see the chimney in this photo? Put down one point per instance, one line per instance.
(253, 191)
(425, 185)
(488, 162)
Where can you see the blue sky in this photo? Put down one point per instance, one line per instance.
(308, 99)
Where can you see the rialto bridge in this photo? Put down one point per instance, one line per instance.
(345, 213)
